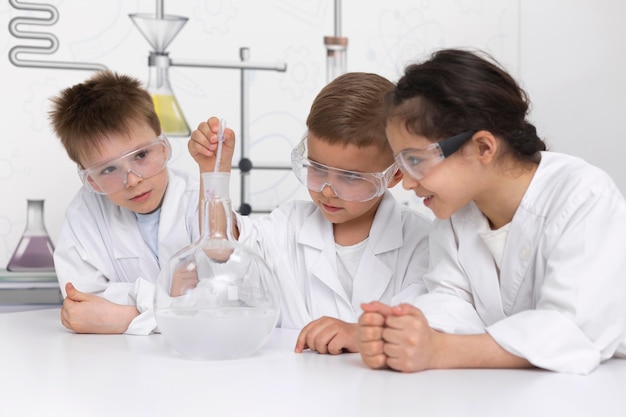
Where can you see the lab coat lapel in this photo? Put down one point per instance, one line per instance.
(371, 280)
(123, 225)
(477, 262)
(373, 276)
(172, 231)
(130, 248)
(517, 255)
(317, 237)
(172, 224)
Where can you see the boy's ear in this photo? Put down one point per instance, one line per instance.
(397, 177)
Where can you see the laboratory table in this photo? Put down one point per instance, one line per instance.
(46, 370)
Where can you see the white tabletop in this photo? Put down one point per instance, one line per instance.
(47, 370)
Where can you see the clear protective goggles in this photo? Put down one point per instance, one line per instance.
(347, 185)
(417, 162)
(144, 161)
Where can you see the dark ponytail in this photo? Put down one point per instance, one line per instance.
(525, 142)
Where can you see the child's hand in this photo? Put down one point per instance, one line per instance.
(410, 345)
(370, 334)
(328, 335)
(89, 313)
(396, 337)
(202, 146)
(183, 280)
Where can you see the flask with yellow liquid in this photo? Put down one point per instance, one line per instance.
(170, 115)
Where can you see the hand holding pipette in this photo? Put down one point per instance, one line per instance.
(204, 146)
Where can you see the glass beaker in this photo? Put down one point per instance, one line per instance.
(34, 250)
(170, 115)
(218, 299)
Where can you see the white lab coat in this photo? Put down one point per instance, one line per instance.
(101, 251)
(561, 299)
(298, 244)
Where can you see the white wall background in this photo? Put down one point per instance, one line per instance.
(568, 54)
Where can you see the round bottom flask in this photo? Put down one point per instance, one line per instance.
(218, 299)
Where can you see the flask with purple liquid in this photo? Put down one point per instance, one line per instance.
(34, 250)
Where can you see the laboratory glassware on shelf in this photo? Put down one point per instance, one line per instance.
(34, 250)
(217, 299)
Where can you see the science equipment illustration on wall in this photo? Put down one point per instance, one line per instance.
(15, 28)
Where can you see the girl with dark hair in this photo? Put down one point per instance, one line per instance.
(527, 264)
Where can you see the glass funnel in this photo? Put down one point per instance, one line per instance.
(34, 250)
(218, 299)
(158, 30)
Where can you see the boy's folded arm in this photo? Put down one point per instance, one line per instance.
(89, 313)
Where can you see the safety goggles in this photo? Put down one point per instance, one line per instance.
(347, 185)
(144, 161)
(417, 162)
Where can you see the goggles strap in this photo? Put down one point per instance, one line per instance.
(451, 145)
